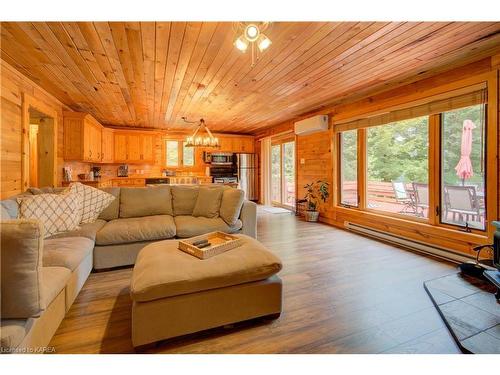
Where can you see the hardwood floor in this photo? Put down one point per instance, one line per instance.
(343, 293)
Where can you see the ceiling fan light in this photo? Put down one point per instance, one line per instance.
(241, 44)
(263, 43)
(252, 32)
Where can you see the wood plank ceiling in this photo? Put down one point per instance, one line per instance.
(150, 74)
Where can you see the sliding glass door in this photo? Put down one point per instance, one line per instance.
(283, 173)
(276, 173)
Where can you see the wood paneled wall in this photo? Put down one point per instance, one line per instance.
(316, 148)
(14, 86)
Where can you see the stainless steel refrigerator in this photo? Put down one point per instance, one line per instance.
(247, 175)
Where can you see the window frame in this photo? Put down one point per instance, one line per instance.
(339, 171)
(438, 203)
(180, 155)
(281, 142)
(431, 229)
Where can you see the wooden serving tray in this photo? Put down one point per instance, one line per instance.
(220, 243)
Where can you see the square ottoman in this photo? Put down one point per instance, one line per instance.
(174, 293)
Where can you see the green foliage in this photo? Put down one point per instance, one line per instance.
(315, 189)
(399, 150)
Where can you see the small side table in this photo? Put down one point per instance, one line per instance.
(494, 278)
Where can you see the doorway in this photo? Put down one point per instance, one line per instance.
(41, 150)
(283, 173)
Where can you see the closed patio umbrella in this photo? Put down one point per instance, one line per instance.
(464, 166)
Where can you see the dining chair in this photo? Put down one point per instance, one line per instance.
(421, 192)
(463, 201)
(403, 197)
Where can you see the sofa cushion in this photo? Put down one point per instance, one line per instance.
(190, 226)
(161, 270)
(53, 280)
(12, 332)
(66, 252)
(184, 199)
(21, 261)
(230, 207)
(93, 201)
(113, 210)
(57, 212)
(46, 190)
(208, 202)
(145, 201)
(127, 230)
(88, 230)
(10, 207)
(4, 214)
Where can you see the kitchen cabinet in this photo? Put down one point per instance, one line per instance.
(82, 137)
(236, 144)
(107, 146)
(94, 183)
(134, 146)
(148, 146)
(127, 182)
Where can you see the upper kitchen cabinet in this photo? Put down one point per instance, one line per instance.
(82, 137)
(242, 144)
(107, 145)
(134, 146)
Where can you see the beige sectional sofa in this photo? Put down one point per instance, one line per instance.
(137, 217)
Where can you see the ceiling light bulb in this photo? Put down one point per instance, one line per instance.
(264, 42)
(252, 32)
(241, 44)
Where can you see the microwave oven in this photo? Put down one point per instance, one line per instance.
(218, 158)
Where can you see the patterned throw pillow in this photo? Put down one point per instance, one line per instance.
(94, 201)
(57, 212)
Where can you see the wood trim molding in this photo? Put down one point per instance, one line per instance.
(27, 103)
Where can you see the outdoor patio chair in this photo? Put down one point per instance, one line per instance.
(462, 201)
(403, 197)
(421, 192)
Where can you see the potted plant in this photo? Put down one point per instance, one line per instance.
(315, 190)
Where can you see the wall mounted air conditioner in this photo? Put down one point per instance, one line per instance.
(311, 125)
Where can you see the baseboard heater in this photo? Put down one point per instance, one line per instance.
(413, 245)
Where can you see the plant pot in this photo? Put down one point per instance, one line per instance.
(312, 215)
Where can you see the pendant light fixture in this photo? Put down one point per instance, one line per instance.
(197, 139)
(251, 35)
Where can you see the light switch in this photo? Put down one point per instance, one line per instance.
(302, 161)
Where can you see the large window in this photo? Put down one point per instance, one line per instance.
(349, 168)
(425, 163)
(463, 167)
(397, 169)
(177, 154)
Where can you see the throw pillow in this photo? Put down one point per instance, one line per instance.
(230, 208)
(184, 199)
(145, 201)
(21, 263)
(94, 201)
(57, 212)
(113, 210)
(208, 202)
